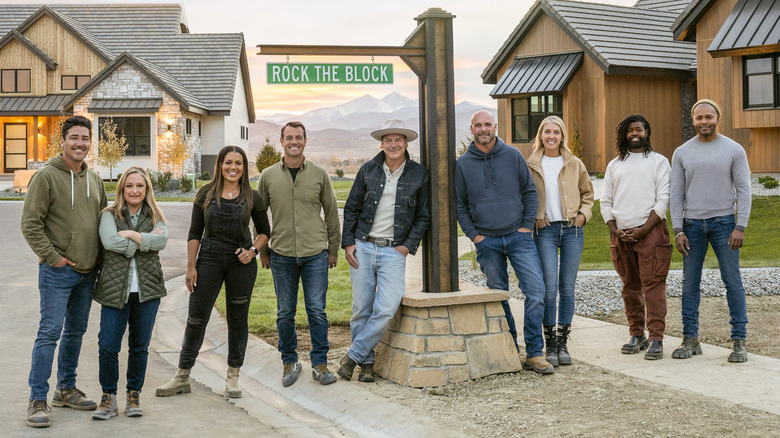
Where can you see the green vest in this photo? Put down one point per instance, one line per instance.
(114, 281)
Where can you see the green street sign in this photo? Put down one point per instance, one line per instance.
(286, 73)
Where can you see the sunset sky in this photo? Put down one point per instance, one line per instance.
(480, 27)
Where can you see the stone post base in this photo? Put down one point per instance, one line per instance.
(441, 338)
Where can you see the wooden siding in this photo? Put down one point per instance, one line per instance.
(72, 56)
(16, 56)
(658, 99)
(720, 79)
(544, 38)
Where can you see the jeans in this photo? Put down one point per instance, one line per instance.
(570, 241)
(492, 253)
(66, 297)
(714, 231)
(378, 285)
(140, 318)
(312, 272)
(217, 263)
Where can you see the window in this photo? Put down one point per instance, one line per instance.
(15, 81)
(244, 133)
(73, 82)
(136, 132)
(528, 113)
(761, 81)
(188, 126)
(200, 132)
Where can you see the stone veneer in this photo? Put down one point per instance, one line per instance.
(440, 338)
(128, 83)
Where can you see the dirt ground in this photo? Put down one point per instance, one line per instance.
(583, 400)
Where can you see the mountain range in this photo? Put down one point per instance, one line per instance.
(343, 131)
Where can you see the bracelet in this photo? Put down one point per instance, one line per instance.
(254, 250)
(681, 233)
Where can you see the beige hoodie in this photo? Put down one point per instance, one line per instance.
(61, 214)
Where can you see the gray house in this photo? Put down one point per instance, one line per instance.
(137, 65)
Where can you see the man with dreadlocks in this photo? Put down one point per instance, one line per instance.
(634, 204)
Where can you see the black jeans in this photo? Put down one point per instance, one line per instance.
(218, 263)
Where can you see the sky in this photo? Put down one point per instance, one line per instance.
(480, 28)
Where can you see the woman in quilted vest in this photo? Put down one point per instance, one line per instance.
(132, 231)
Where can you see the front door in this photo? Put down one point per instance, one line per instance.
(15, 147)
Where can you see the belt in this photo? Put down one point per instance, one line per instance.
(380, 241)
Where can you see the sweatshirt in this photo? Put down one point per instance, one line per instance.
(61, 214)
(709, 180)
(635, 187)
(495, 192)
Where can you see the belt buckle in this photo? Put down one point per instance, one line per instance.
(381, 241)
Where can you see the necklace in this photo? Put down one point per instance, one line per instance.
(230, 195)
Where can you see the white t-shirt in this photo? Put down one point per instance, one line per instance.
(551, 168)
(384, 219)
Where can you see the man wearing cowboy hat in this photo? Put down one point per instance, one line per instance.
(385, 217)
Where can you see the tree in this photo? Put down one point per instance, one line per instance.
(178, 148)
(268, 155)
(339, 173)
(575, 142)
(464, 145)
(111, 146)
(53, 145)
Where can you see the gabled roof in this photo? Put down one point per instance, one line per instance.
(684, 26)
(752, 27)
(202, 68)
(621, 40)
(157, 74)
(73, 27)
(15, 35)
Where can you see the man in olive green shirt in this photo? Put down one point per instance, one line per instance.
(303, 246)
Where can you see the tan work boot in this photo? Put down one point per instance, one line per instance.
(179, 384)
(38, 413)
(232, 390)
(538, 364)
(72, 398)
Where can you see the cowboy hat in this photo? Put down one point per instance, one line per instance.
(394, 126)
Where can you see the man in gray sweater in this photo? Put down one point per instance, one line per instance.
(710, 182)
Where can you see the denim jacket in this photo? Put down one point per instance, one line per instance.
(411, 203)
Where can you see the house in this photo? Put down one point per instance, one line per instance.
(593, 64)
(738, 65)
(135, 64)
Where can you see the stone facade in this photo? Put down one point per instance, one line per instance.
(128, 83)
(688, 94)
(438, 339)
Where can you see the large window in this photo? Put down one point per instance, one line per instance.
(136, 132)
(761, 81)
(528, 113)
(15, 81)
(74, 82)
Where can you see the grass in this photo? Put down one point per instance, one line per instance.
(262, 310)
(761, 248)
(342, 189)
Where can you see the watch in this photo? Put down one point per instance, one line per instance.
(254, 250)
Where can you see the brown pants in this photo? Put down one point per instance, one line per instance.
(643, 267)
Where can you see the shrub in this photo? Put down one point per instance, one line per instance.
(770, 183)
(162, 180)
(186, 184)
(600, 175)
(205, 176)
(339, 173)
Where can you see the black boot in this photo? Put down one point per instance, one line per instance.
(551, 341)
(563, 352)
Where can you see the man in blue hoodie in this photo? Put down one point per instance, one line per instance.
(496, 209)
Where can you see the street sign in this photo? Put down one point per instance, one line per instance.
(301, 73)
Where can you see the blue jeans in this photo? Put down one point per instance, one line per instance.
(140, 318)
(378, 285)
(492, 253)
(312, 272)
(66, 297)
(714, 231)
(570, 241)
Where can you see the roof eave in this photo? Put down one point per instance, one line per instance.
(684, 27)
(14, 34)
(650, 71)
(45, 10)
(745, 51)
(244, 66)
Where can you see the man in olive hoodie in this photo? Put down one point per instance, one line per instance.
(497, 205)
(60, 222)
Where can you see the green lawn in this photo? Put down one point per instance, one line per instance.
(342, 189)
(262, 310)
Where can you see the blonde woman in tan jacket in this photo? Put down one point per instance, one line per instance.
(565, 201)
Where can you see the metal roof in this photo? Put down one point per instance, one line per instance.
(664, 5)
(49, 105)
(102, 106)
(538, 74)
(620, 39)
(751, 27)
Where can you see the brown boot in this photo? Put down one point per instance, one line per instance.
(538, 364)
(367, 373)
(179, 384)
(232, 390)
(72, 398)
